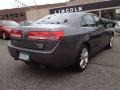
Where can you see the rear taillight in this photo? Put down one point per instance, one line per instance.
(16, 33)
(44, 35)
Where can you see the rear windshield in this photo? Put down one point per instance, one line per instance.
(56, 19)
(10, 23)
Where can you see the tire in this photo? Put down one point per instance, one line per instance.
(110, 45)
(82, 59)
(4, 36)
(27, 63)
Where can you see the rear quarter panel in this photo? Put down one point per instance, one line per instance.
(75, 37)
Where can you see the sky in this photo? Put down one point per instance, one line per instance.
(7, 4)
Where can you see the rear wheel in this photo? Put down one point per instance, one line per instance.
(82, 60)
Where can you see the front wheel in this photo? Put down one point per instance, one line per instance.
(110, 45)
(83, 58)
(4, 36)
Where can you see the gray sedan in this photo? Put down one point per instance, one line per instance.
(61, 40)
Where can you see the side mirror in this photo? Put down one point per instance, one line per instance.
(109, 25)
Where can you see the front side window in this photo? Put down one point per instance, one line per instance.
(98, 21)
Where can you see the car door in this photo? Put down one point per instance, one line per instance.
(88, 23)
(102, 30)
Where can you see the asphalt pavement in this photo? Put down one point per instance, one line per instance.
(103, 73)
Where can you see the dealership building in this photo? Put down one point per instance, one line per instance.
(103, 8)
(28, 13)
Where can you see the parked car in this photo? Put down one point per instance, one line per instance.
(25, 23)
(5, 28)
(117, 26)
(61, 40)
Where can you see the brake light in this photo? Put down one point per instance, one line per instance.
(51, 35)
(16, 33)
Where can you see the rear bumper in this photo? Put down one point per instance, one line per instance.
(57, 58)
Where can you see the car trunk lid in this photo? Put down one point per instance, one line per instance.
(36, 37)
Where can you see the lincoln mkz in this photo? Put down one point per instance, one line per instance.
(61, 40)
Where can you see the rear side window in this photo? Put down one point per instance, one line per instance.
(88, 21)
(83, 24)
(56, 19)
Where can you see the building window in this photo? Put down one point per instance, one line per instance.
(6, 17)
(21, 14)
(16, 15)
(11, 16)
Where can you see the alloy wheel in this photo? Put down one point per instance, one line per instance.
(84, 58)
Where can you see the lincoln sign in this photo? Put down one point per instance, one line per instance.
(66, 9)
(84, 7)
